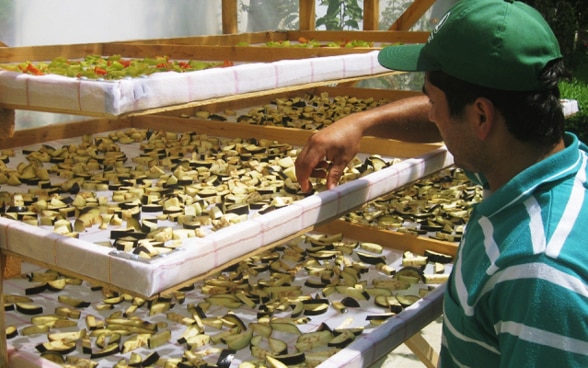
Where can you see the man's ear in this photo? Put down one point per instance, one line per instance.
(484, 117)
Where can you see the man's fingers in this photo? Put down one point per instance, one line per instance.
(334, 174)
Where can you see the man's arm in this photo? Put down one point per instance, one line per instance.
(333, 147)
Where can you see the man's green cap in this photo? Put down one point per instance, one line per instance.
(493, 43)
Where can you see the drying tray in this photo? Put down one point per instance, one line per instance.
(371, 345)
(150, 277)
(160, 90)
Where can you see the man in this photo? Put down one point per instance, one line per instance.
(518, 294)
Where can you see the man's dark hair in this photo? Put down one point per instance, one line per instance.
(530, 116)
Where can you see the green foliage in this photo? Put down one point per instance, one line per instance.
(394, 9)
(577, 90)
(341, 15)
(565, 18)
(391, 13)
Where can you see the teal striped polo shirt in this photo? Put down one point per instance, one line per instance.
(518, 293)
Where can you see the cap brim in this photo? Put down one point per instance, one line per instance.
(407, 58)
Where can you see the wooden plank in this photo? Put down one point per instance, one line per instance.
(73, 110)
(7, 123)
(46, 53)
(232, 53)
(307, 15)
(292, 35)
(391, 239)
(3, 344)
(221, 129)
(297, 137)
(411, 15)
(371, 15)
(215, 40)
(229, 16)
(386, 37)
(387, 94)
(423, 350)
(12, 267)
(27, 137)
(214, 47)
(180, 48)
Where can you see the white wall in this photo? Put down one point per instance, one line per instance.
(42, 22)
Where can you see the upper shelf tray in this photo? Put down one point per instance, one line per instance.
(160, 90)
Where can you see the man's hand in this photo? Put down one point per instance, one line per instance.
(327, 153)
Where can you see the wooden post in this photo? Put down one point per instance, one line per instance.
(421, 348)
(229, 15)
(371, 15)
(3, 345)
(307, 15)
(414, 12)
(6, 123)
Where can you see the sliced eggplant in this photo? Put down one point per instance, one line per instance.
(60, 347)
(11, 331)
(438, 257)
(344, 338)
(37, 289)
(410, 274)
(111, 349)
(370, 258)
(29, 308)
(225, 358)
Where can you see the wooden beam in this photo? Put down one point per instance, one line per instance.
(6, 123)
(59, 131)
(423, 350)
(44, 53)
(373, 36)
(389, 238)
(3, 344)
(411, 15)
(307, 15)
(371, 15)
(229, 15)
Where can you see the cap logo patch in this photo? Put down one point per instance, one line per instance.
(438, 27)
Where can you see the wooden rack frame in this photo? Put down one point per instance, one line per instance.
(185, 47)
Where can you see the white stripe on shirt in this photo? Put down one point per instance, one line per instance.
(542, 337)
(536, 228)
(571, 212)
(465, 338)
(536, 270)
(492, 250)
(460, 287)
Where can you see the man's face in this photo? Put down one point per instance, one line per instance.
(456, 131)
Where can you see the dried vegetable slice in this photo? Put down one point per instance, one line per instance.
(261, 316)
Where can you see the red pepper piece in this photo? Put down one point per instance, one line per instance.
(100, 71)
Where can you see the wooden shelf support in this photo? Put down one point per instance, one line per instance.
(6, 123)
(229, 17)
(307, 15)
(371, 15)
(3, 344)
(423, 350)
